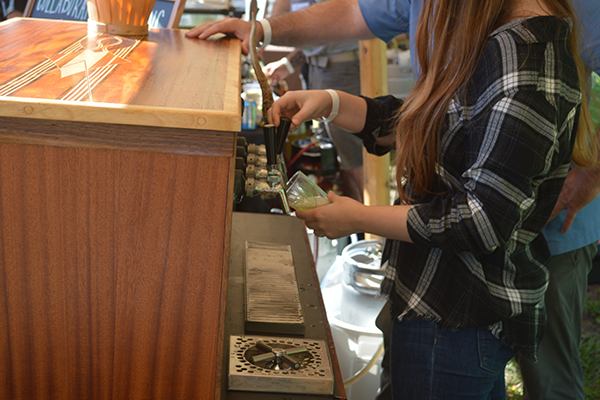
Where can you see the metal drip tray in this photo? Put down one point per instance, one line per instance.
(272, 297)
(254, 365)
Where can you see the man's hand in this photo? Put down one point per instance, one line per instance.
(581, 187)
(14, 14)
(228, 26)
(276, 71)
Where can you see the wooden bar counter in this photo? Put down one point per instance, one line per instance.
(116, 165)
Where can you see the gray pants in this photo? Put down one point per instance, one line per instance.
(558, 374)
(343, 76)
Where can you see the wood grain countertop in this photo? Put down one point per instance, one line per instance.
(56, 70)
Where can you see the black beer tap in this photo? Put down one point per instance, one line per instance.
(266, 175)
(271, 146)
(282, 133)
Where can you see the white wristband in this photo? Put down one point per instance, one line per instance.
(266, 32)
(288, 65)
(335, 105)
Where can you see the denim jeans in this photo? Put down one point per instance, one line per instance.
(428, 363)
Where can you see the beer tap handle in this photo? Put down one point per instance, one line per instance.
(282, 132)
(270, 144)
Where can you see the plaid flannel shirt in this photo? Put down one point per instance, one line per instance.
(478, 258)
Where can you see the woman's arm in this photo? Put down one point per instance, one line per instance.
(305, 105)
(345, 216)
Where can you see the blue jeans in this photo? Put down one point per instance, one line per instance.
(428, 363)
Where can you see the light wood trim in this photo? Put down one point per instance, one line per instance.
(233, 98)
(373, 81)
(126, 114)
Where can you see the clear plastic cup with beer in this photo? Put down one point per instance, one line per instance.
(304, 194)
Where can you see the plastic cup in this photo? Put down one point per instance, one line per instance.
(303, 194)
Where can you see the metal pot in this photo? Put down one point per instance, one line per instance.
(361, 279)
(362, 266)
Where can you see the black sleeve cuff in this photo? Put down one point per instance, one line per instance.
(379, 123)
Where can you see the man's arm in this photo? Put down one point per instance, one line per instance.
(332, 21)
(277, 71)
(280, 7)
(582, 185)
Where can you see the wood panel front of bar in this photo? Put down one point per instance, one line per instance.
(116, 169)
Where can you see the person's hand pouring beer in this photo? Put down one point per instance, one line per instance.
(343, 216)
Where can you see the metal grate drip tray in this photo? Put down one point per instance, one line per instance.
(252, 366)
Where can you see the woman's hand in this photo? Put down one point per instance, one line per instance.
(300, 106)
(304, 105)
(345, 216)
(335, 220)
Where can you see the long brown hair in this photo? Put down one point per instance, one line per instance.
(450, 38)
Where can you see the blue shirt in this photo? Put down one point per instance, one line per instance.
(388, 18)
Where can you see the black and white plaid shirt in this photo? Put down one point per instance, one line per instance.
(478, 258)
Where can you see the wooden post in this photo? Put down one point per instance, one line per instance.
(373, 82)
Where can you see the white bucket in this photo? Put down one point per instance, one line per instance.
(356, 342)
